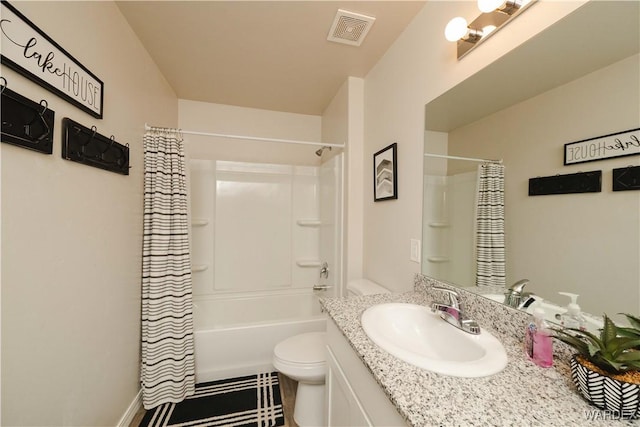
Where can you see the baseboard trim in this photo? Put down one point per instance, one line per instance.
(132, 410)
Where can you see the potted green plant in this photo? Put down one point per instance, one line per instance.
(606, 369)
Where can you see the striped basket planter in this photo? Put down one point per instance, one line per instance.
(606, 393)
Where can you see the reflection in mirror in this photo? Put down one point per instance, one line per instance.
(522, 109)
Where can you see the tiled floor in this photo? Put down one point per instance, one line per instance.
(288, 389)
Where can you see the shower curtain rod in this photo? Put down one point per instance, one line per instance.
(443, 156)
(253, 138)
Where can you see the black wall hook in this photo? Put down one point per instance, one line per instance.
(38, 123)
(102, 155)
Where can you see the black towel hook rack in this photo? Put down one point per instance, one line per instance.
(626, 178)
(26, 123)
(85, 145)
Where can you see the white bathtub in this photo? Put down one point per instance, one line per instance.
(235, 335)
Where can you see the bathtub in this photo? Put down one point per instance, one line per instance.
(235, 335)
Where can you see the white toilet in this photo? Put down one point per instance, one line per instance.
(302, 358)
(359, 287)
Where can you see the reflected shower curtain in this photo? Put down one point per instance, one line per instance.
(490, 252)
(168, 368)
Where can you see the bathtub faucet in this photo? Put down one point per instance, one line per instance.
(324, 270)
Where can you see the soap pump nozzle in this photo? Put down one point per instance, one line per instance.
(572, 307)
(573, 317)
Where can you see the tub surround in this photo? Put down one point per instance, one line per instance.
(522, 394)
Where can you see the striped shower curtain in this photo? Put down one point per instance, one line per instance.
(168, 368)
(490, 249)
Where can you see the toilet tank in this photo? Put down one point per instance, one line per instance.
(359, 287)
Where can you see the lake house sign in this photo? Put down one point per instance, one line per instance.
(30, 52)
(626, 143)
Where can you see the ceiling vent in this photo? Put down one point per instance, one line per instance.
(350, 27)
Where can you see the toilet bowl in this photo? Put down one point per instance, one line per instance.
(302, 358)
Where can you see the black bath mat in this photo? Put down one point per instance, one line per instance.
(246, 401)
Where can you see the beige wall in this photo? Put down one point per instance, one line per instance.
(231, 120)
(581, 243)
(72, 235)
(355, 176)
(419, 66)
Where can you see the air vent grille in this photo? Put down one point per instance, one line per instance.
(350, 27)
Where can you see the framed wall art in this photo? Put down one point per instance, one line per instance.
(619, 144)
(30, 52)
(385, 174)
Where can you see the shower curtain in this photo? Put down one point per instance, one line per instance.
(168, 368)
(490, 249)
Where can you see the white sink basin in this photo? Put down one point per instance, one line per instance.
(416, 335)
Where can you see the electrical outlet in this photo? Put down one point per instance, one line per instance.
(415, 250)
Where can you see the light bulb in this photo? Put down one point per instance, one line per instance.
(488, 6)
(456, 29)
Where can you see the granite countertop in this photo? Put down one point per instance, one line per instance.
(522, 394)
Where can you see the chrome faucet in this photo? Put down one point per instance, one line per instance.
(452, 313)
(515, 296)
(324, 270)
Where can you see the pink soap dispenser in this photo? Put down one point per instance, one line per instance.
(538, 344)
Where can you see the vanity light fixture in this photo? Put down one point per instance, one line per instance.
(458, 29)
(495, 15)
(505, 6)
(487, 29)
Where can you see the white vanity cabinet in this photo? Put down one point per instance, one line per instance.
(353, 397)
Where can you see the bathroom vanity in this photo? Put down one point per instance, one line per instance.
(353, 397)
(367, 386)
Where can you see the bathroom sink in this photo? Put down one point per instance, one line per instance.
(418, 336)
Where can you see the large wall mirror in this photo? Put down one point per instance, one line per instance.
(576, 80)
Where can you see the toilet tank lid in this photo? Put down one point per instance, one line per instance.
(366, 287)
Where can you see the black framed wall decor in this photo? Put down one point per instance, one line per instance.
(385, 173)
